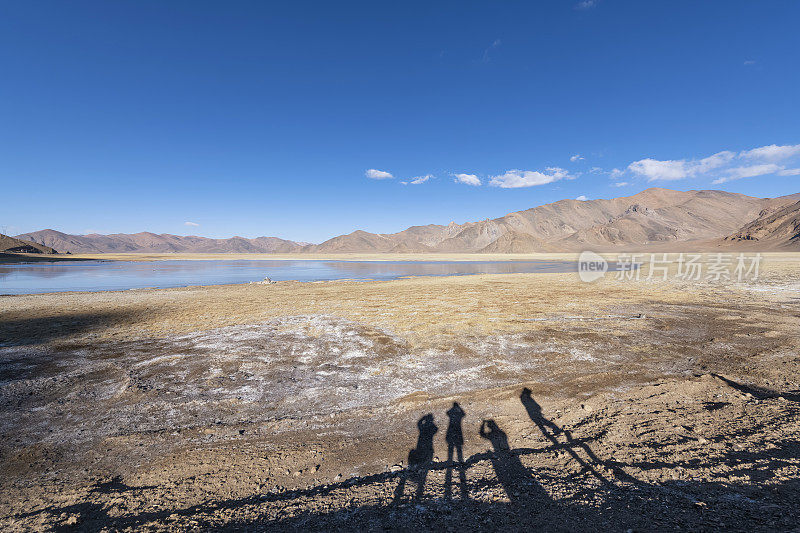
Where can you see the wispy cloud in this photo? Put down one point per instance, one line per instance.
(613, 173)
(669, 170)
(620, 184)
(582, 198)
(375, 174)
(748, 172)
(586, 4)
(418, 180)
(789, 172)
(723, 166)
(514, 179)
(487, 54)
(576, 157)
(192, 224)
(772, 152)
(749, 62)
(468, 179)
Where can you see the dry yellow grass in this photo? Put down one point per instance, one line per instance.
(418, 309)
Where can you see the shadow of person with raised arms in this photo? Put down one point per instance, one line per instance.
(549, 429)
(419, 458)
(455, 443)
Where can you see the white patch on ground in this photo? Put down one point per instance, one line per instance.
(288, 368)
(580, 355)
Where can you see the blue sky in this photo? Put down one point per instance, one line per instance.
(267, 118)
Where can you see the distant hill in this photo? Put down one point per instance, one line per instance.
(16, 245)
(776, 228)
(653, 218)
(658, 219)
(153, 243)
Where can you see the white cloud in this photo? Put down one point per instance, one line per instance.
(469, 179)
(582, 198)
(748, 172)
(772, 152)
(576, 157)
(529, 178)
(418, 180)
(586, 4)
(615, 173)
(790, 172)
(749, 62)
(720, 159)
(375, 174)
(487, 53)
(653, 169)
(193, 224)
(754, 170)
(678, 169)
(620, 184)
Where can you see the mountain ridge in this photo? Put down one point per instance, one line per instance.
(158, 243)
(16, 245)
(653, 218)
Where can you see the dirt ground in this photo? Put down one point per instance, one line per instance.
(492, 402)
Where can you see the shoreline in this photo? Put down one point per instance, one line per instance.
(381, 257)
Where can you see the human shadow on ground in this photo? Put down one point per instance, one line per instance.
(520, 486)
(551, 432)
(419, 458)
(455, 450)
(575, 505)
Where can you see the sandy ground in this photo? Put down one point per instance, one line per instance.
(621, 404)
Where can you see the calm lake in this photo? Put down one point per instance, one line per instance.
(121, 275)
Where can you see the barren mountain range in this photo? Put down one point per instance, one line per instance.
(153, 243)
(656, 218)
(12, 245)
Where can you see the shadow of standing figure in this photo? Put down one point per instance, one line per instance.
(419, 458)
(519, 484)
(549, 429)
(455, 443)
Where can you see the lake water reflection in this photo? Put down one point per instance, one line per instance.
(121, 275)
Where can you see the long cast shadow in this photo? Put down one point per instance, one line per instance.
(455, 445)
(529, 506)
(551, 430)
(520, 486)
(759, 393)
(41, 330)
(419, 458)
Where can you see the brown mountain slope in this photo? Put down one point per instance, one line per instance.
(773, 229)
(12, 245)
(652, 217)
(658, 218)
(153, 243)
(702, 216)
